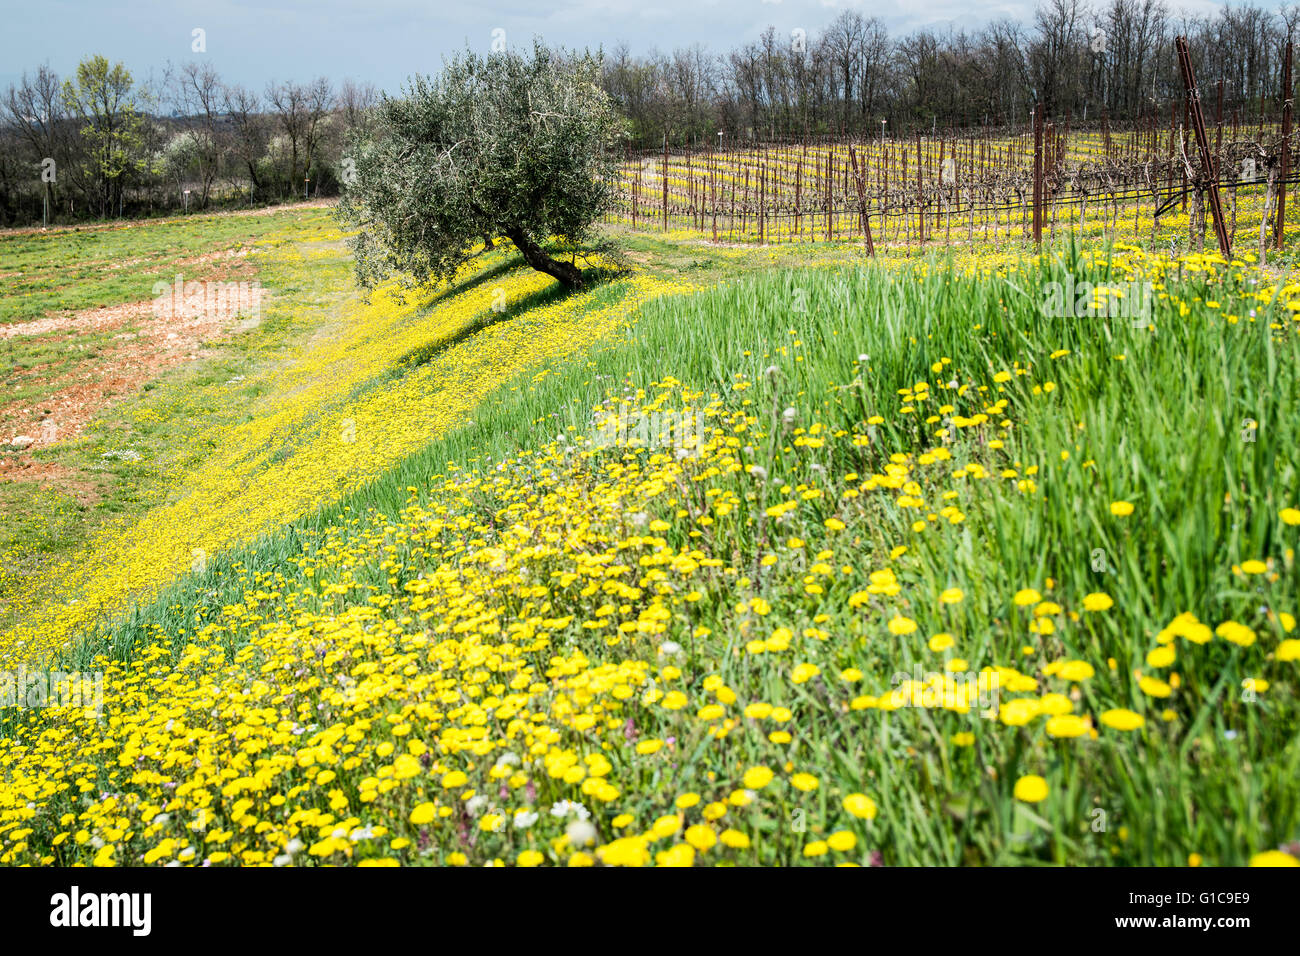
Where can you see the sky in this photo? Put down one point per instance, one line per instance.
(385, 41)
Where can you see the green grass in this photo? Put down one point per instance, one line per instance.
(1161, 427)
(169, 423)
(76, 268)
(1158, 418)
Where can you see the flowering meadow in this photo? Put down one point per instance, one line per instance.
(355, 393)
(844, 564)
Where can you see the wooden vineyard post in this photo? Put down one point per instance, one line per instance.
(1038, 174)
(731, 216)
(798, 197)
(940, 205)
(951, 195)
(1169, 178)
(664, 182)
(713, 187)
(1218, 135)
(690, 184)
(970, 203)
(1182, 139)
(884, 188)
(1218, 156)
(1279, 229)
(920, 199)
(829, 182)
(664, 176)
(862, 202)
(848, 196)
(1052, 164)
(904, 215)
(744, 206)
(1203, 144)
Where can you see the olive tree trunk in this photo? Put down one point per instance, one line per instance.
(536, 256)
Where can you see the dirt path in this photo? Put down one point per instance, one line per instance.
(148, 342)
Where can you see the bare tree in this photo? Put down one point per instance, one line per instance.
(691, 77)
(35, 110)
(248, 129)
(357, 102)
(198, 96)
(289, 101)
(320, 105)
(844, 40)
(1056, 53)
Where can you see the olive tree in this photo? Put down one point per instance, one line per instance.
(507, 145)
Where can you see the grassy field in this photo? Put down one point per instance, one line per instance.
(109, 396)
(169, 469)
(741, 556)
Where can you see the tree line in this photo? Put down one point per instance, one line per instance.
(99, 144)
(1113, 58)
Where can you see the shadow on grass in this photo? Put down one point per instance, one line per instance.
(556, 292)
(508, 263)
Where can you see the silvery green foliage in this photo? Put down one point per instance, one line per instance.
(503, 145)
